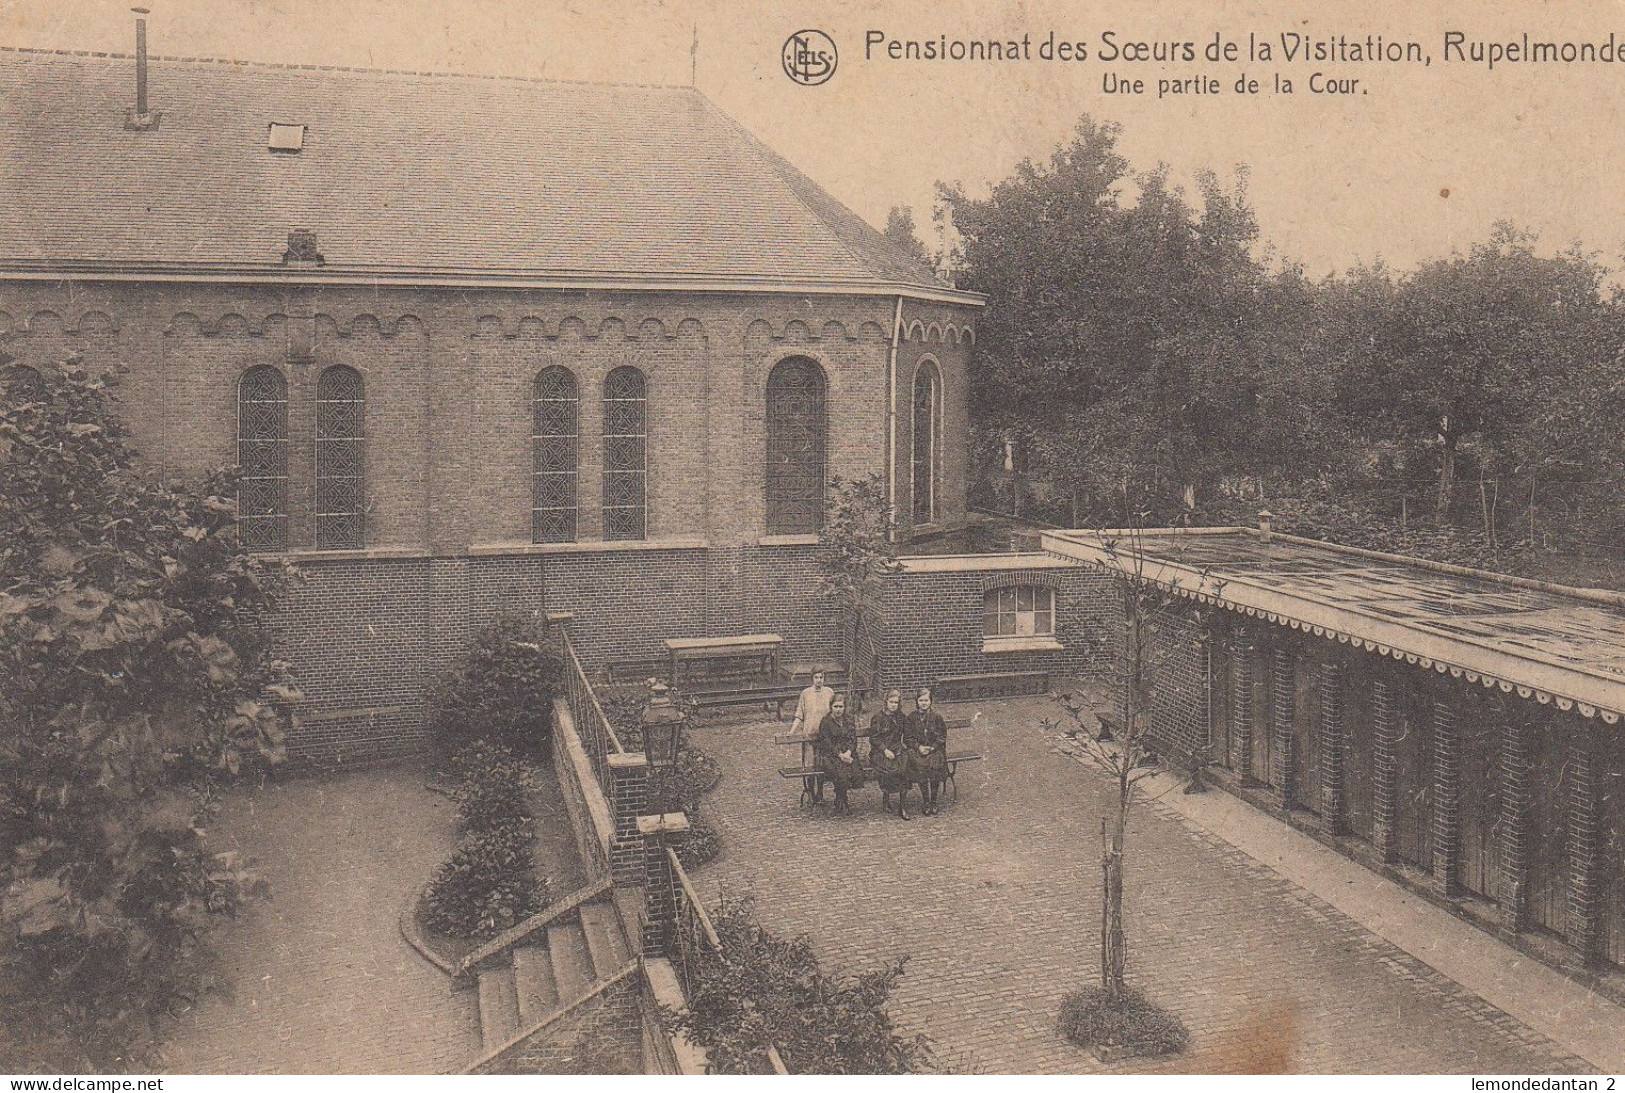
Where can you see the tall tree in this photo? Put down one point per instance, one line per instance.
(1126, 327)
(901, 231)
(138, 672)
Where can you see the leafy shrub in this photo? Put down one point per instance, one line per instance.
(500, 691)
(489, 884)
(1090, 1019)
(703, 844)
(491, 787)
(138, 672)
(762, 989)
(697, 773)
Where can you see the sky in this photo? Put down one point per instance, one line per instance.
(1419, 161)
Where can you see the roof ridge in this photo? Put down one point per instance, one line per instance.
(284, 66)
(773, 161)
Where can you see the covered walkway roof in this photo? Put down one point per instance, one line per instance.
(1554, 644)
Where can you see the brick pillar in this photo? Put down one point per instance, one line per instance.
(1514, 830)
(1384, 770)
(1283, 708)
(629, 784)
(1446, 796)
(1331, 746)
(1241, 703)
(1585, 890)
(660, 887)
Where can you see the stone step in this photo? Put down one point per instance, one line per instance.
(604, 940)
(572, 964)
(534, 983)
(499, 1007)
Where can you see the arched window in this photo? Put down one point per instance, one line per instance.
(340, 461)
(553, 439)
(927, 428)
(262, 457)
(625, 456)
(796, 445)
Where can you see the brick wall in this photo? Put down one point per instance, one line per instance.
(931, 620)
(602, 1036)
(448, 466)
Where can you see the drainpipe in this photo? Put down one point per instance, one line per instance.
(891, 416)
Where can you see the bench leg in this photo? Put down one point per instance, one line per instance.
(952, 784)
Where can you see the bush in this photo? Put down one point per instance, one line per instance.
(762, 989)
(697, 773)
(138, 676)
(1089, 1019)
(703, 843)
(500, 691)
(490, 883)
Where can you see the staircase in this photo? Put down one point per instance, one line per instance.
(550, 971)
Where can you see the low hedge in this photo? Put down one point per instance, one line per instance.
(490, 882)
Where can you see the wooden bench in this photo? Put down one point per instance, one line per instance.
(812, 777)
(636, 671)
(745, 656)
(991, 685)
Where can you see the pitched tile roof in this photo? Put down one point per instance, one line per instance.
(411, 175)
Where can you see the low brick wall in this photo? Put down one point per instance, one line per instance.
(591, 820)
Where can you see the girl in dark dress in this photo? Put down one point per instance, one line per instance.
(925, 739)
(888, 757)
(838, 753)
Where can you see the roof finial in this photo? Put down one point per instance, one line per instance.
(694, 59)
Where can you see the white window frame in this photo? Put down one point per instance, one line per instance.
(1019, 618)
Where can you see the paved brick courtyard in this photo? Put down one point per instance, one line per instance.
(997, 901)
(323, 981)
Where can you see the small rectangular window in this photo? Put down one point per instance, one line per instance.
(285, 137)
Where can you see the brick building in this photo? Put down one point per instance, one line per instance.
(479, 344)
(1458, 730)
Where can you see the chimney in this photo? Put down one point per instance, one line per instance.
(139, 117)
(1266, 525)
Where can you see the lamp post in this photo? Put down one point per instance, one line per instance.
(662, 722)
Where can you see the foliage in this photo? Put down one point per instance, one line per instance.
(501, 690)
(1129, 343)
(900, 230)
(762, 989)
(138, 672)
(1092, 1019)
(697, 773)
(490, 882)
(1147, 355)
(703, 843)
(859, 540)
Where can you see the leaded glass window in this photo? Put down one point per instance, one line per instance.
(262, 459)
(554, 446)
(340, 462)
(625, 454)
(927, 441)
(796, 447)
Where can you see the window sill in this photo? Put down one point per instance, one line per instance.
(788, 540)
(597, 546)
(1021, 645)
(364, 554)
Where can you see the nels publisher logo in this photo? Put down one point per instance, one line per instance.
(809, 57)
